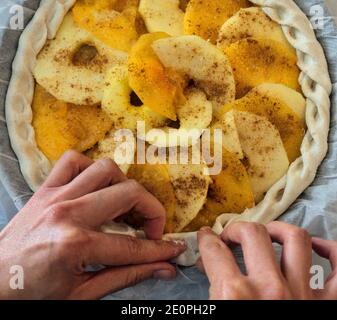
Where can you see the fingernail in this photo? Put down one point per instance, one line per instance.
(177, 243)
(164, 275)
(179, 246)
(180, 243)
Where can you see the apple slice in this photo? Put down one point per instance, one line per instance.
(291, 98)
(122, 152)
(266, 158)
(163, 16)
(206, 217)
(156, 179)
(182, 189)
(194, 116)
(204, 18)
(230, 135)
(201, 62)
(190, 187)
(118, 104)
(282, 106)
(158, 88)
(257, 61)
(251, 23)
(112, 22)
(72, 66)
(230, 192)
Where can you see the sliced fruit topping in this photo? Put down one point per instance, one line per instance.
(258, 61)
(265, 157)
(190, 186)
(157, 87)
(112, 22)
(204, 18)
(124, 106)
(182, 189)
(291, 98)
(163, 16)
(230, 136)
(195, 115)
(60, 126)
(72, 67)
(122, 152)
(282, 106)
(251, 23)
(201, 62)
(230, 192)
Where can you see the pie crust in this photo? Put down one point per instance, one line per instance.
(314, 80)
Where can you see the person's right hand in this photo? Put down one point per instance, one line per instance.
(56, 235)
(266, 279)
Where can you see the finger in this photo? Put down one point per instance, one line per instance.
(258, 251)
(107, 204)
(115, 279)
(101, 174)
(200, 265)
(67, 168)
(326, 249)
(218, 261)
(117, 250)
(296, 255)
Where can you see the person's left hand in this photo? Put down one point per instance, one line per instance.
(265, 279)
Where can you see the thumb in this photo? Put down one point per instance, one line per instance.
(114, 279)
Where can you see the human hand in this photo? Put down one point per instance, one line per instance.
(265, 278)
(56, 235)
